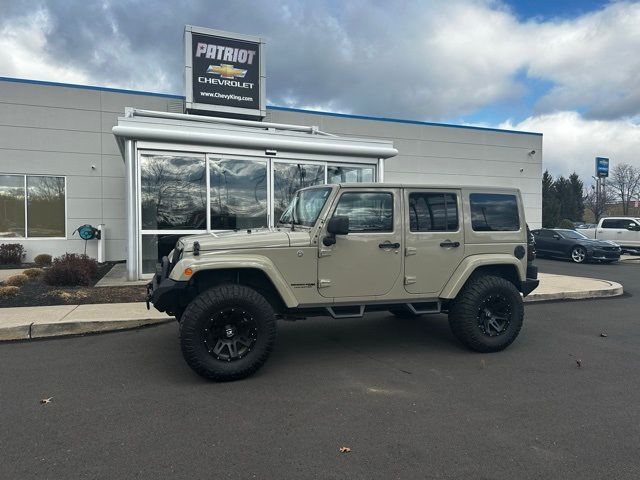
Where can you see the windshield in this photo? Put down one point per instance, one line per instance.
(305, 207)
(570, 234)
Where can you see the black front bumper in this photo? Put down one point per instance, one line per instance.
(165, 294)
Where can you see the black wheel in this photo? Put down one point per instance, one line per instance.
(487, 314)
(227, 332)
(403, 312)
(578, 254)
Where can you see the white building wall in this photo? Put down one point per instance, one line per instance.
(64, 130)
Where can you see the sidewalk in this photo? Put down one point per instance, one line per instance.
(24, 323)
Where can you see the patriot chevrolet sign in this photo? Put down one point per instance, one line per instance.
(224, 73)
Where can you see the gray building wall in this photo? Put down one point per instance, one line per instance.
(65, 130)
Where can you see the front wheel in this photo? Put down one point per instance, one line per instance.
(487, 314)
(227, 332)
(578, 254)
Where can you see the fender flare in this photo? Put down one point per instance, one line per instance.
(242, 262)
(472, 263)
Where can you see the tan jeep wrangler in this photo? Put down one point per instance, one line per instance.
(343, 250)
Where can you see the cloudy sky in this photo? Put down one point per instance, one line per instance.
(569, 69)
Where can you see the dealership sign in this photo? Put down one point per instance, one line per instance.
(602, 167)
(224, 73)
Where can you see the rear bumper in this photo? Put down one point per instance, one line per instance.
(531, 282)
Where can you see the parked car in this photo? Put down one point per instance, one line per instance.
(345, 250)
(624, 231)
(561, 243)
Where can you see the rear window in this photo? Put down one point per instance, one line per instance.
(493, 212)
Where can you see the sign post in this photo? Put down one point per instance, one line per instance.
(224, 73)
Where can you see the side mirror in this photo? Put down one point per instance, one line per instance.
(634, 227)
(338, 225)
(556, 236)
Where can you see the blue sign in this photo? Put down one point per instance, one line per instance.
(602, 167)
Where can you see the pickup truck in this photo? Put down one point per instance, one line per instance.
(625, 231)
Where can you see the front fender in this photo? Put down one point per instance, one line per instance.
(237, 261)
(470, 264)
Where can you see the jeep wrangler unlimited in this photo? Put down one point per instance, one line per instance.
(343, 250)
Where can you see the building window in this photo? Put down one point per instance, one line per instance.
(433, 212)
(367, 212)
(346, 174)
(288, 178)
(32, 206)
(238, 191)
(173, 192)
(491, 212)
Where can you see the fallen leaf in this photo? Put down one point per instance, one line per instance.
(345, 449)
(44, 401)
(483, 364)
(603, 335)
(579, 363)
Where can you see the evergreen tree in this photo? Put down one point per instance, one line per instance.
(550, 206)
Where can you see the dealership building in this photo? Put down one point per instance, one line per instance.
(136, 166)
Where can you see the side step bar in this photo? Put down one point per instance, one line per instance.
(357, 311)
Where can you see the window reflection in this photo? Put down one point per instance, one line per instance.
(11, 206)
(493, 212)
(45, 207)
(288, 178)
(154, 247)
(173, 192)
(337, 174)
(367, 212)
(238, 194)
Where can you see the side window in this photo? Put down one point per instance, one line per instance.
(546, 233)
(614, 223)
(433, 212)
(493, 212)
(367, 211)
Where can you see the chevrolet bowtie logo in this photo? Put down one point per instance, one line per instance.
(226, 71)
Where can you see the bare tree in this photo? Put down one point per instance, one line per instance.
(625, 183)
(597, 203)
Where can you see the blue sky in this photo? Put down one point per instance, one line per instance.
(568, 69)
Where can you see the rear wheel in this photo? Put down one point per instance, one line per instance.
(487, 314)
(578, 254)
(227, 332)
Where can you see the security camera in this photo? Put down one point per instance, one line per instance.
(532, 152)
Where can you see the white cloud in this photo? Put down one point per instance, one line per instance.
(571, 142)
(23, 51)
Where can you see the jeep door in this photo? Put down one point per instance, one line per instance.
(366, 261)
(434, 238)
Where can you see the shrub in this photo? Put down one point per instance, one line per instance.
(42, 260)
(33, 273)
(567, 224)
(11, 253)
(71, 269)
(7, 292)
(16, 280)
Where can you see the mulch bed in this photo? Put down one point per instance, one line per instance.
(35, 293)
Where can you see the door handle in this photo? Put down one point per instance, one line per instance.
(449, 243)
(389, 245)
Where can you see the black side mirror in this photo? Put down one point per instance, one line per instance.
(338, 225)
(633, 227)
(556, 236)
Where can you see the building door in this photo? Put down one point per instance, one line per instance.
(434, 240)
(367, 261)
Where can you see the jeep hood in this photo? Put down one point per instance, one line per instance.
(254, 238)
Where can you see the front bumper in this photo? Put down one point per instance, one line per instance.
(165, 293)
(604, 255)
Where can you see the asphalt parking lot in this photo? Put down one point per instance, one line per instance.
(407, 399)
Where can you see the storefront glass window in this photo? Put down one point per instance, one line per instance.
(346, 174)
(45, 207)
(173, 192)
(238, 191)
(288, 178)
(11, 206)
(154, 247)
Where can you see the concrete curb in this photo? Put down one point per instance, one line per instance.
(590, 288)
(80, 327)
(630, 259)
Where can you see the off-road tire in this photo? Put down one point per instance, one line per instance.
(403, 312)
(465, 313)
(197, 318)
